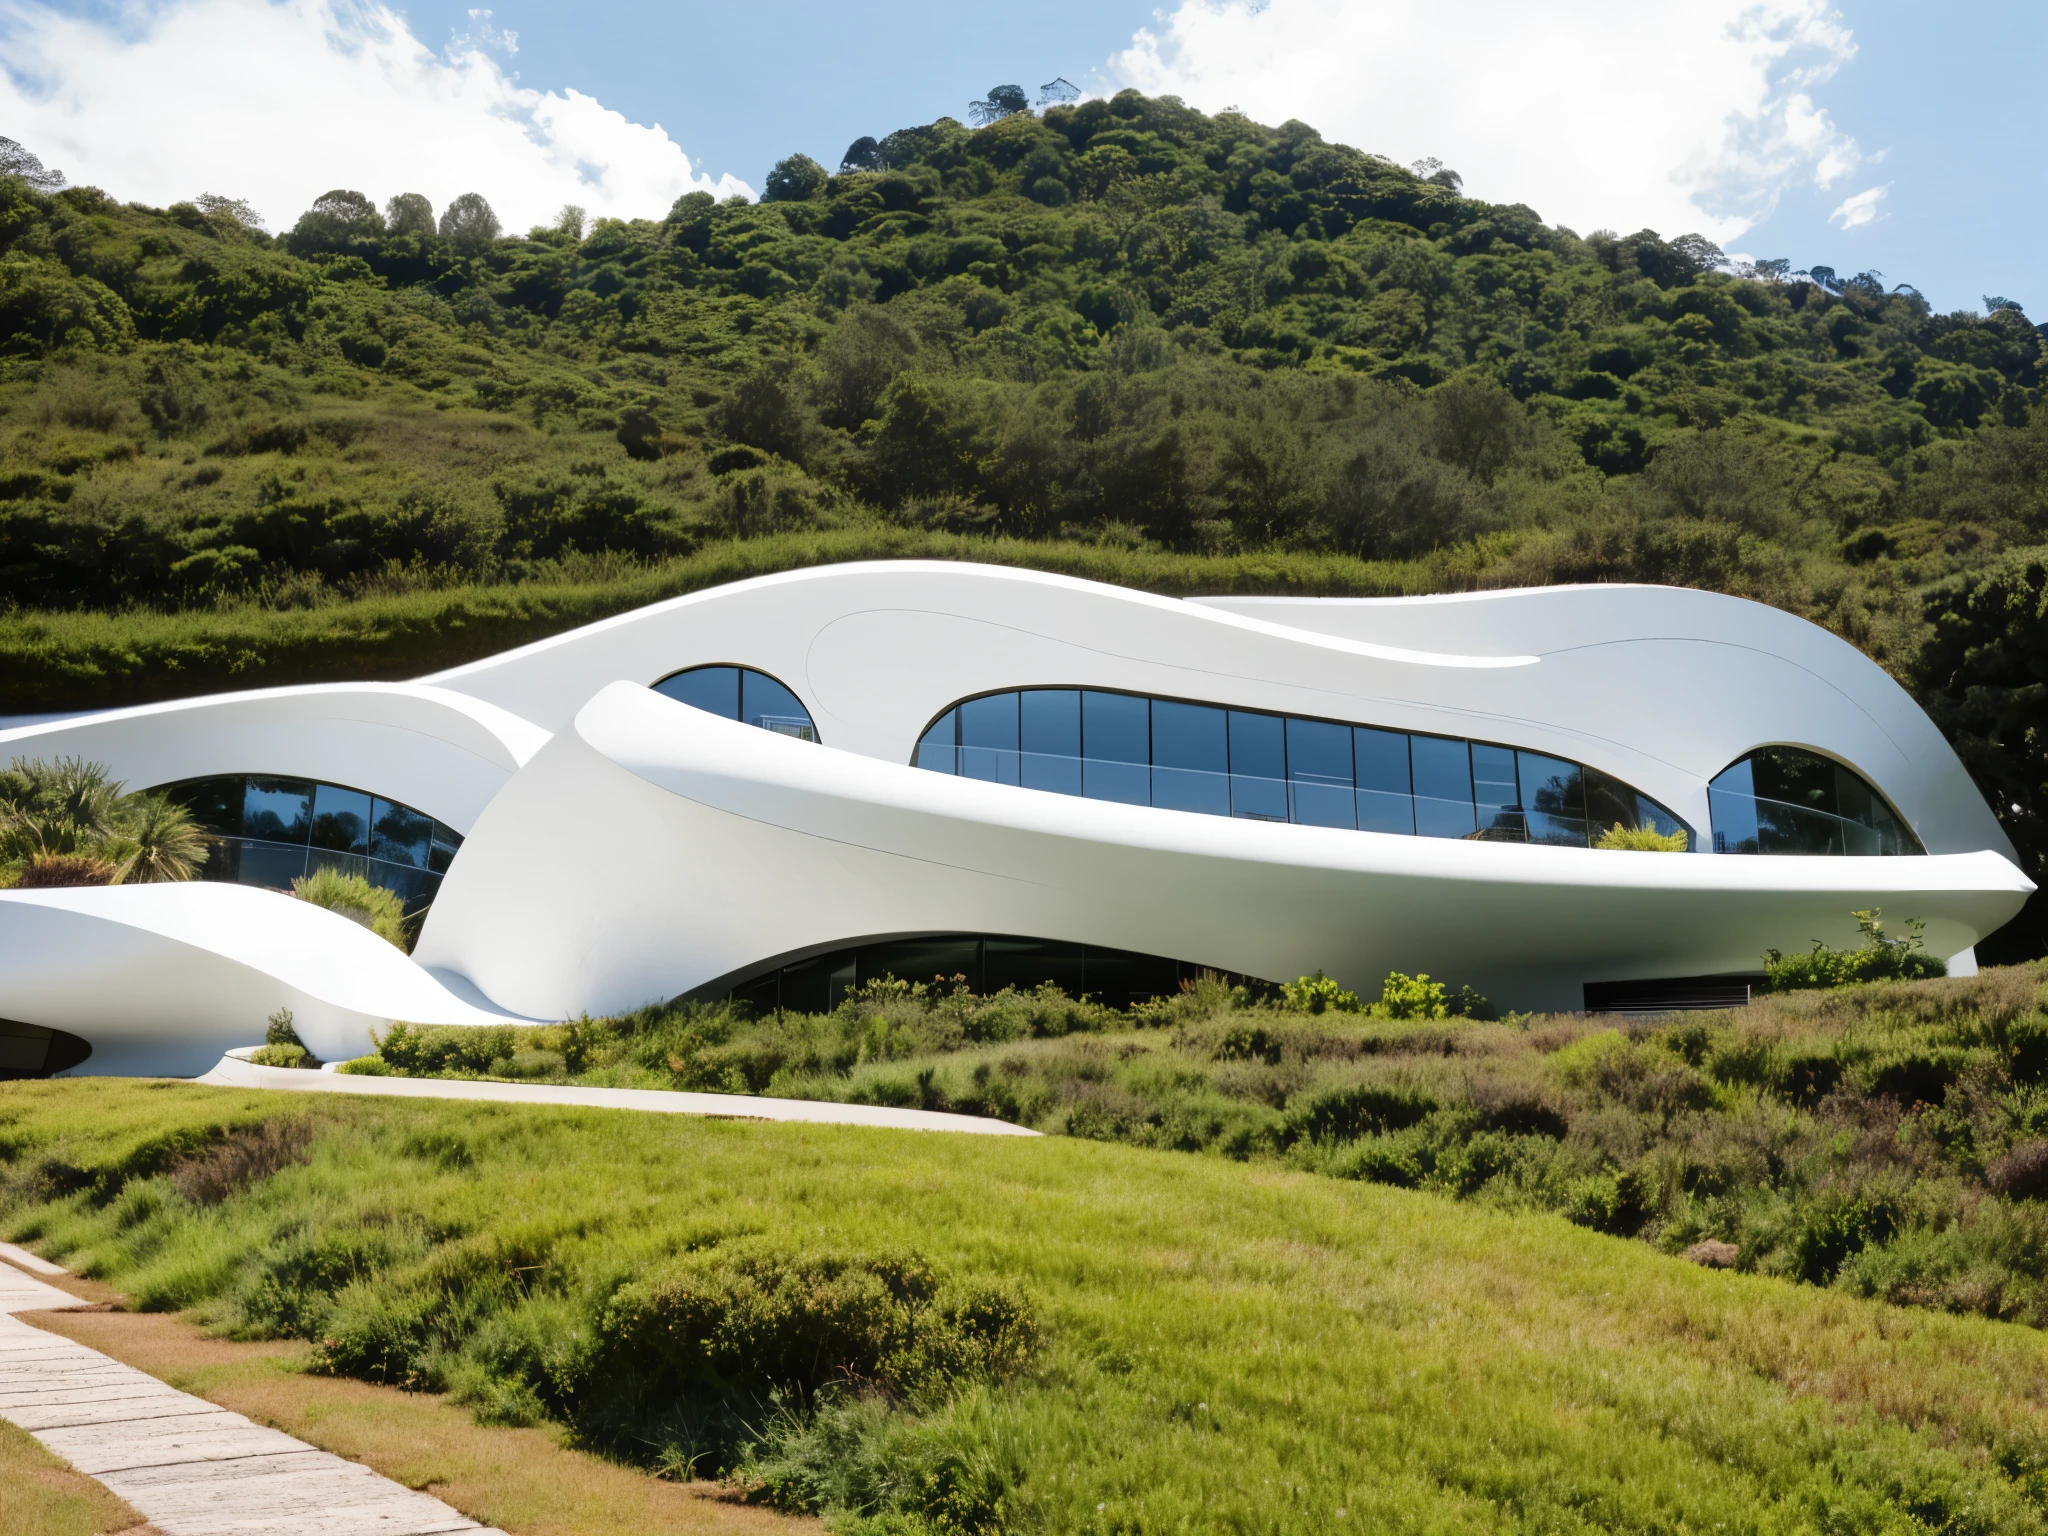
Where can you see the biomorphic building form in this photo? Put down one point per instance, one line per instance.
(1568, 797)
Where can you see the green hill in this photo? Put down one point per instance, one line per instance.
(1124, 338)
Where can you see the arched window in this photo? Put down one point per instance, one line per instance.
(742, 694)
(268, 831)
(1219, 761)
(1790, 800)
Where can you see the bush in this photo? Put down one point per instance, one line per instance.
(282, 1046)
(2022, 1174)
(1643, 839)
(353, 897)
(1876, 959)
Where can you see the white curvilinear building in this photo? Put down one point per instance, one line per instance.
(781, 788)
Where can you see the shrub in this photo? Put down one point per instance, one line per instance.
(353, 897)
(1319, 994)
(282, 1046)
(58, 871)
(1412, 997)
(2022, 1174)
(1643, 840)
(1876, 959)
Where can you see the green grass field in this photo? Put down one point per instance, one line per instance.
(1889, 1139)
(1221, 1346)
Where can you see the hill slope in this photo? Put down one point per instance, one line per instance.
(1199, 1345)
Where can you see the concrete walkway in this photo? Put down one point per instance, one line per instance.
(188, 1467)
(234, 1072)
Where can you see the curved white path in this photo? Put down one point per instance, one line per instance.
(233, 1072)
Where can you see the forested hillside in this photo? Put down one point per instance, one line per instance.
(1190, 351)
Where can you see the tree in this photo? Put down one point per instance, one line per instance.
(1058, 91)
(229, 210)
(863, 154)
(1002, 101)
(17, 161)
(346, 207)
(1437, 174)
(469, 222)
(795, 180)
(409, 214)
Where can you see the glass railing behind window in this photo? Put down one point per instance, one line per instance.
(1787, 800)
(269, 831)
(1230, 762)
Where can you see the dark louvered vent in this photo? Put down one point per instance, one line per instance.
(1668, 994)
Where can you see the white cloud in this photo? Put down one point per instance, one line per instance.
(1861, 209)
(278, 102)
(1678, 115)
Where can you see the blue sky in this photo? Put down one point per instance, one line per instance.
(1864, 135)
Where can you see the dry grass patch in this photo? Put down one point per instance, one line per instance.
(41, 1496)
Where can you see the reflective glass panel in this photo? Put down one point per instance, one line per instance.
(1116, 748)
(1609, 803)
(272, 865)
(215, 804)
(1258, 766)
(446, 841)
(1319, 784)
(1443, 786)
(767, 704)
(988, 738)
(715, 690)
(1786, 800)
(1049, 726)
(400, 834)
(1190, 758)
(1493, 792)
(277, 810)
(1381, 767)
(935, 747)
(341, 819)
(1553, 800)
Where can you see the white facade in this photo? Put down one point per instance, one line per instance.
(622, 847)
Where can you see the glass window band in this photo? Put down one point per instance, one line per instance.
(1214, 760)
(269, 831)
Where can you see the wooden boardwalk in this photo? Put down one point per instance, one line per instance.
(187, 1466)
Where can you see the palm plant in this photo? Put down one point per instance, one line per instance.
(159, 841)
(67, 823)
(63, 808)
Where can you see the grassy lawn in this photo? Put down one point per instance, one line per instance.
(1890, 1139)
(1220, 1346)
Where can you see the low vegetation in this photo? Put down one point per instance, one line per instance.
(374, 907)
(1888, 1139)
(67, 823)
(929, 1333)
(41, 1496)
